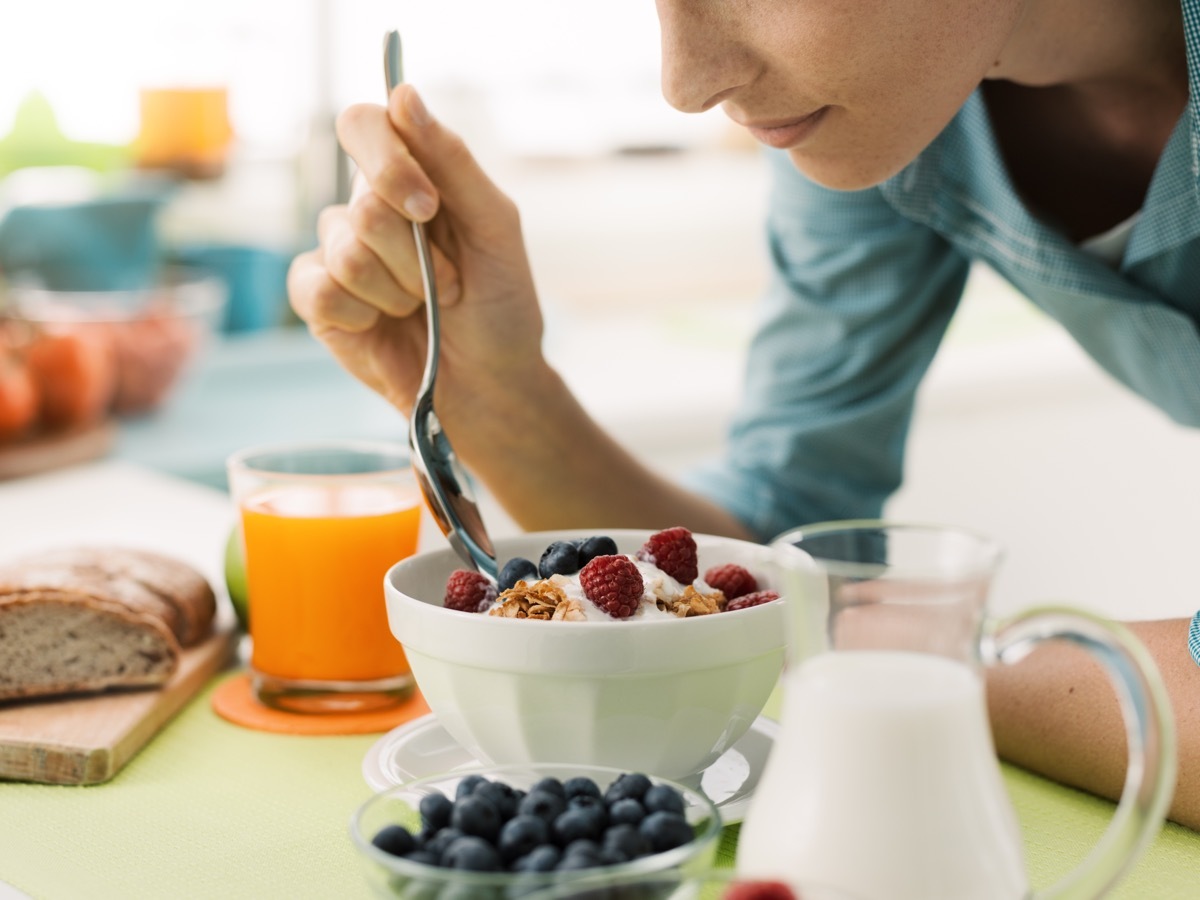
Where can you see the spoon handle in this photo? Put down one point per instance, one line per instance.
(393, 72)
(442, 479)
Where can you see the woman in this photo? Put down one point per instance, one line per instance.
(1054, 139)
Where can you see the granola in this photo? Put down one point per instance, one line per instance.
(693, 603)
(543, 600)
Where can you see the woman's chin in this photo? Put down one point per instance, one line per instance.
(847, 172)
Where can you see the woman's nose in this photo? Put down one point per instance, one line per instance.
(701, 62)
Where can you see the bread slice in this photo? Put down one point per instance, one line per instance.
(88, 618)
(60, 643)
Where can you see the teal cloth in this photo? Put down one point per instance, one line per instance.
(866, 282)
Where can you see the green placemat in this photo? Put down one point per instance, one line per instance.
(209, 809)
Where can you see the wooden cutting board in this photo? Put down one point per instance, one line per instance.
(45, 453)
(87, 740)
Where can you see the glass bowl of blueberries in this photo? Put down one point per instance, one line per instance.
(499, 832)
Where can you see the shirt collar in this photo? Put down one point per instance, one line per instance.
(962, 172)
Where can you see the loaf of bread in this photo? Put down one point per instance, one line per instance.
(89, 618)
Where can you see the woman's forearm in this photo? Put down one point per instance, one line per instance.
(552, 466)
(1055, 713)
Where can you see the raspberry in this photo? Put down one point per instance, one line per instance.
(759, 890)
(756, 598)
(731, 580)
(468, 591)
(674, 551)
(614, 584)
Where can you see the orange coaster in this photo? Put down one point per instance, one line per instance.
(234, 701)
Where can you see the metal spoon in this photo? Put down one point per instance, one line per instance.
(442, 478)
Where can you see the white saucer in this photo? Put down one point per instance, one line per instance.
(422, 747)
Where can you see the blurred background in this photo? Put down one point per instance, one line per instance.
(162, 161)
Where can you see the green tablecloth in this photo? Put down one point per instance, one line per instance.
(209, 809)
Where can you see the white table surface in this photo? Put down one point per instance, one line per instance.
(117, 502)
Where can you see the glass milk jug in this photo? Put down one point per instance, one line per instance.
(883, 781)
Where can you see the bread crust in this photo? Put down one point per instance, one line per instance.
(146, 581)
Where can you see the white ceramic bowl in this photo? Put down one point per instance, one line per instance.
(662, 696)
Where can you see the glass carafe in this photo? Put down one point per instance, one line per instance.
(884, 780)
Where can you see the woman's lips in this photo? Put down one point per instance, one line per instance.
(788, 134)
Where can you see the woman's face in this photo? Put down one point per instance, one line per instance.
(852, 89)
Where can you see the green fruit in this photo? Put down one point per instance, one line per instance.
(235, 578)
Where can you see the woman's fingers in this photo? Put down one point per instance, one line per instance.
(463, 187)
(357, 268)
(322, 302)
(368, 136)
(389, 236)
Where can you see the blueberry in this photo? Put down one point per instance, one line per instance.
(550, 786)
(626, 840)
(591, 807)
(626, 812)
(584, 800)
(520, 835)
(662, 798)
(632, 785)
(517, 569)
(581, 854)
(581, 860)
(581, 822)
(580, 786)
(543, 804)
(395, 839)
(467, 786)
(540, 859)
(478, 816)
(472, 853)
(610, 857)
(424, 857)
(560, 558)
(439, 842)
(665, 830)
(599, 545)
(501, 796)
(435, 811)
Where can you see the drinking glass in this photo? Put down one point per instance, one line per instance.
(884, 779)
(321, 524)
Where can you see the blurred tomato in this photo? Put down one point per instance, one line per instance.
(18, 396)
(75, 371)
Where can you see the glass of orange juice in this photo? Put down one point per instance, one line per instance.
(321, 524)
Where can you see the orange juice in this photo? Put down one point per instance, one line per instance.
(316, 556)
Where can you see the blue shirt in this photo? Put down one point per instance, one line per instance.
(865, 282)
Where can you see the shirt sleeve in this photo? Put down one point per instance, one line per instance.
(859, 300)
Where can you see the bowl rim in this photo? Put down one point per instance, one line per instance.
(663, 862)
(195, 293)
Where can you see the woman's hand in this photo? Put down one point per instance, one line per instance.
(360, 290)
(511, 418)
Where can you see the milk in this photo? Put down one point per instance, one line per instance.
(884, 783)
